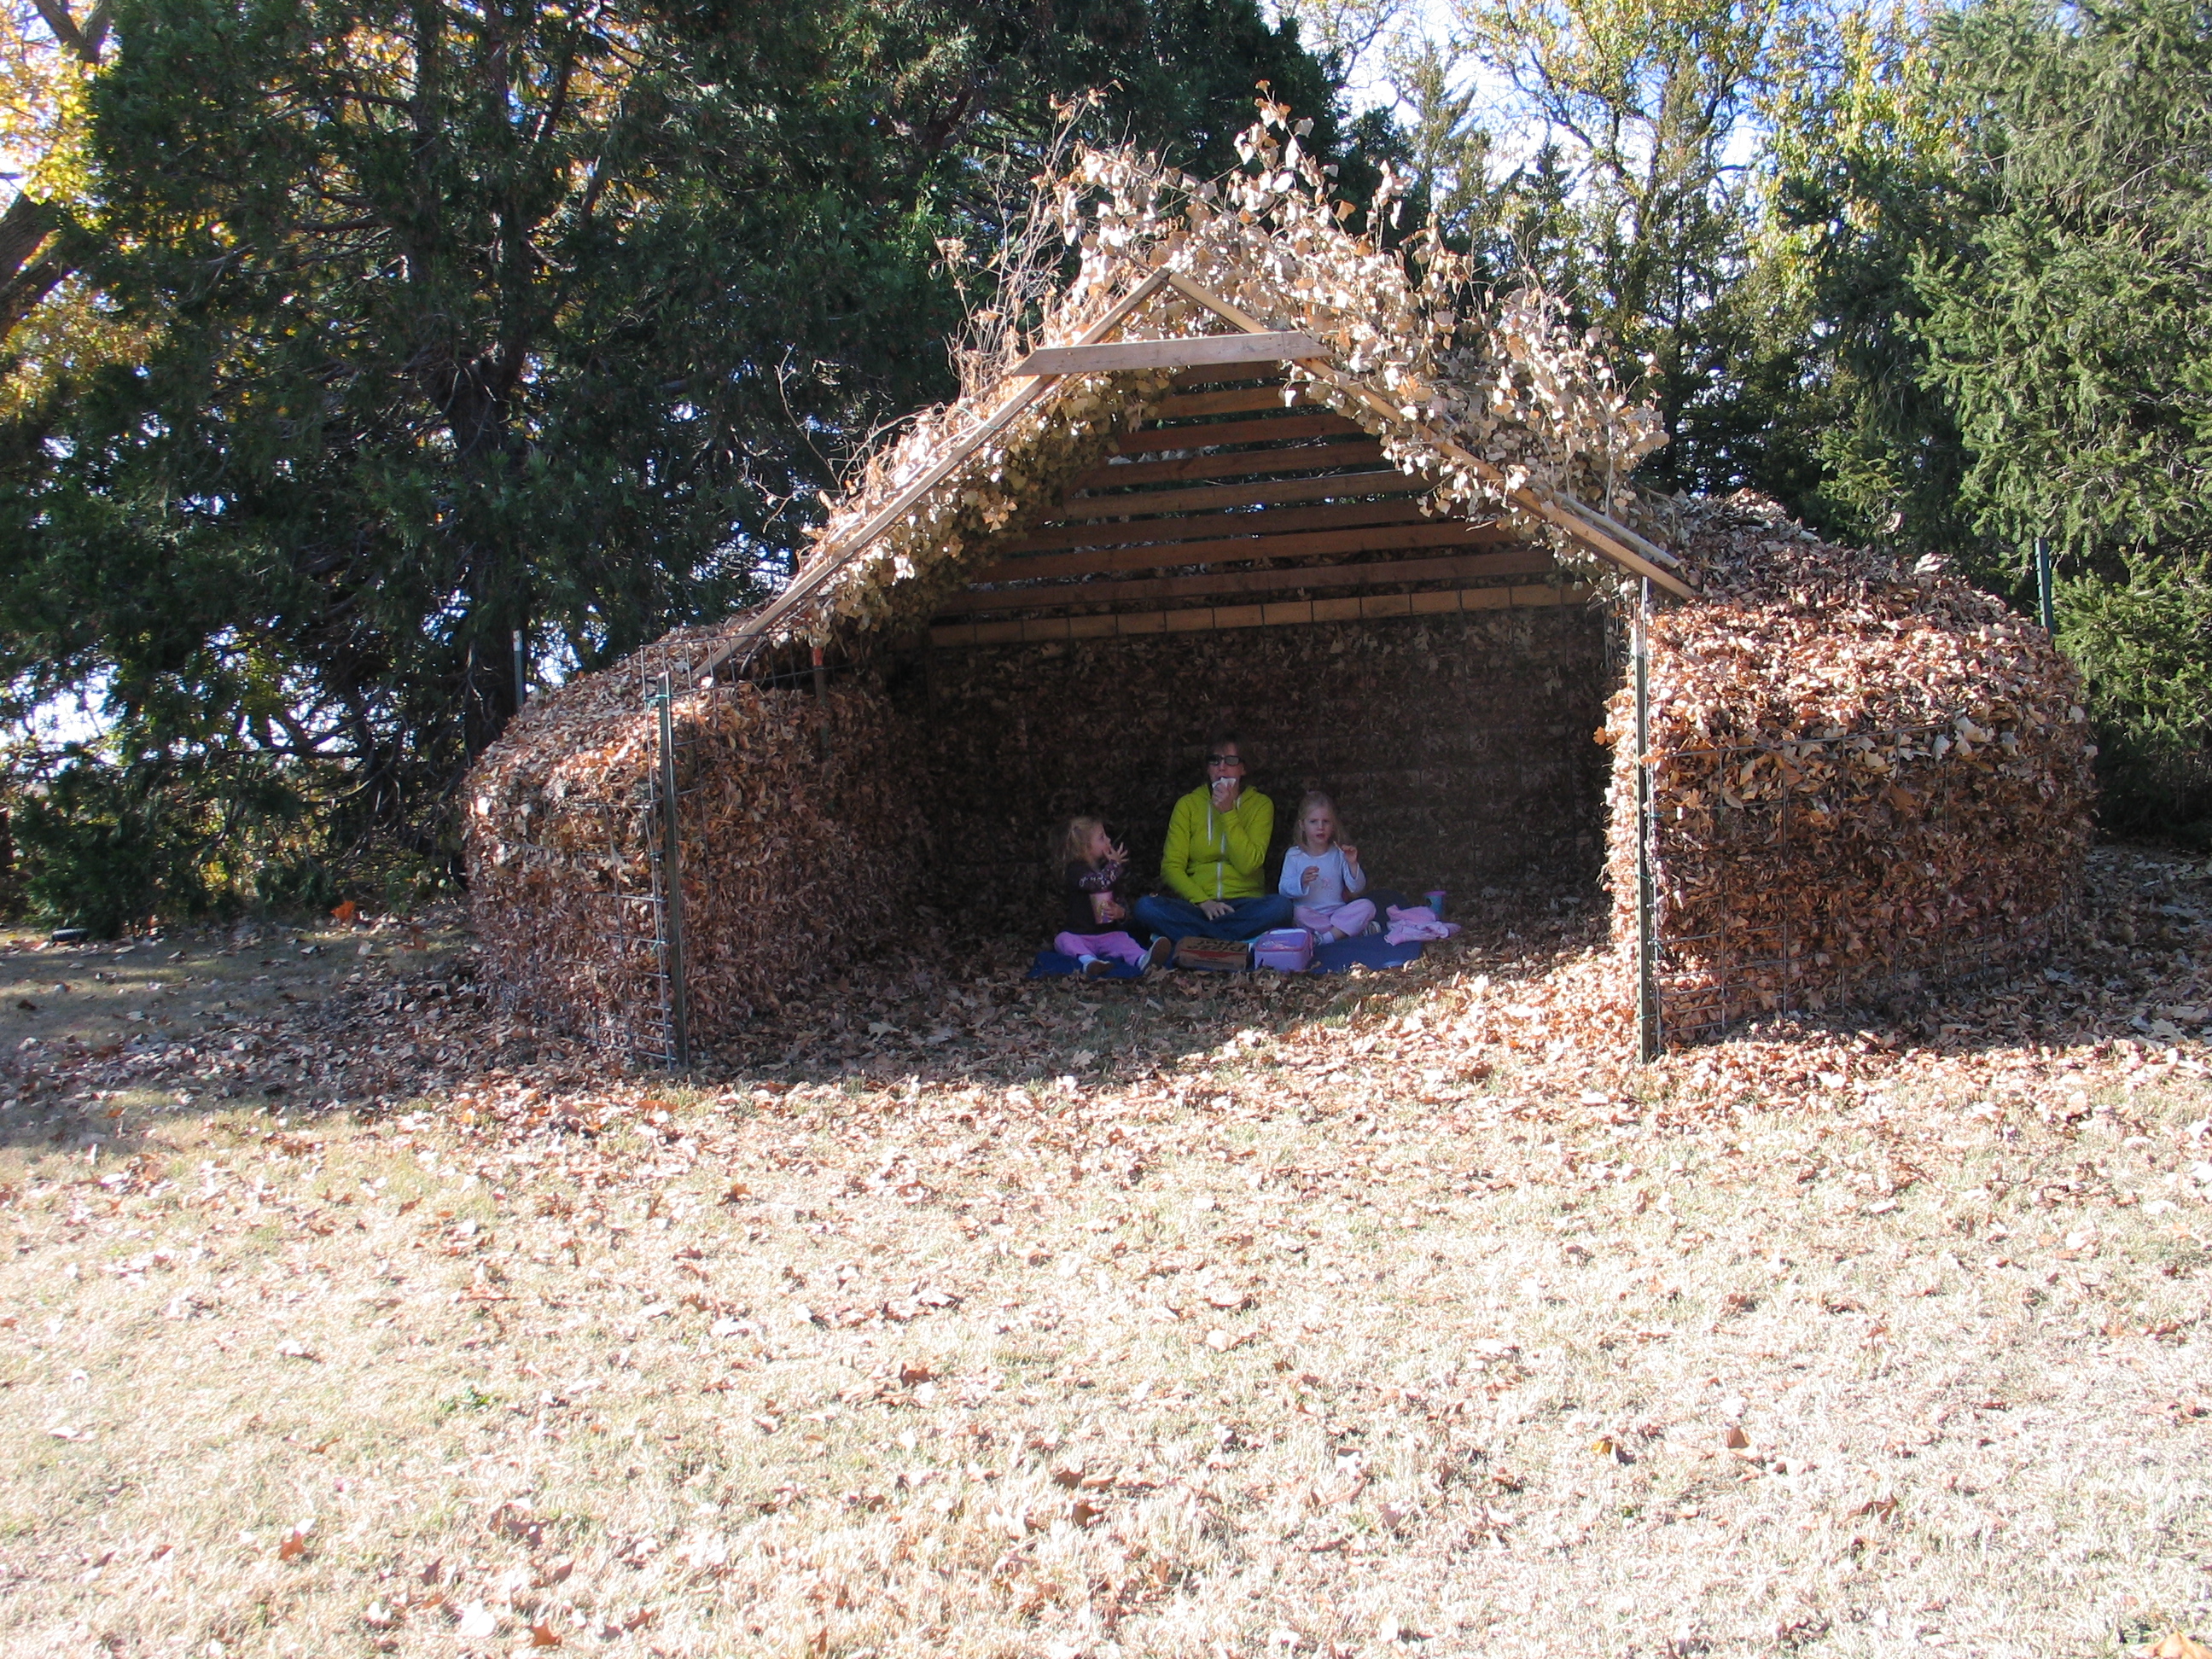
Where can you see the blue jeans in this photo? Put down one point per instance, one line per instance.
(1248, 918)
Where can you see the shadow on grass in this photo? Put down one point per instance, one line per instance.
(940, 1020)
(420, 1032)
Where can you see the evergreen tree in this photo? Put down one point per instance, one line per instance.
(1998, 228)
(2066, 325)
(517, 317)
(2066, 330)
(1860, 173)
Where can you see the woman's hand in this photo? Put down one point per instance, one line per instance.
(1213, 909)
(1225, 791)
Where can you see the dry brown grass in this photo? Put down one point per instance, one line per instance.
(98, 999)
(1312, 1335)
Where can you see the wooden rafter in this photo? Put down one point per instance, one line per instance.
(1277, 614)
(1469, 567)
(1200, 497)
(1251, 463)
(1237, 400)
(1327, 544)
(1202, 526)
(1277, 428)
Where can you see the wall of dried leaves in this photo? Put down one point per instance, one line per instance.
(1925, 748)
(1862, 776)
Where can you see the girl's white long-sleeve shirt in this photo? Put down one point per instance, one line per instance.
(1337, 882)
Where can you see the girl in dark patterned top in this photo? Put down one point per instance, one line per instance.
(1091, 868)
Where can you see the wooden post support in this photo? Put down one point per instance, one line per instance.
(1648, 1036)
(671, 889)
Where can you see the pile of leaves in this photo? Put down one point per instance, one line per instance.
(789, 804)
(1862, 776)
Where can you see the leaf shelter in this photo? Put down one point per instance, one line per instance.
(1245, 464)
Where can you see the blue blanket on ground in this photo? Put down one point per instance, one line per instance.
(1369, 951)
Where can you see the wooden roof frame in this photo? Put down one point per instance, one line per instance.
(1613, 542)
(1254, 343)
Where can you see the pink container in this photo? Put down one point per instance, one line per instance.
(1286, 950)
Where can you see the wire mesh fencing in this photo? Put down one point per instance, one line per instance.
(679, 681)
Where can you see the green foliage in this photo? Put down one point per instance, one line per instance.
(1989, 235)
(106, 841)
(462, 321)
(1637, 208)
(1992, 228)
(1858, 175)
(94, 852)
(470, 1398)
(2066, 325)
(421, 326)
(2144, 644)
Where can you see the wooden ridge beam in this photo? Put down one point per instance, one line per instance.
(1281, 613)
(1118, 356)
(1200, 527)
(1514, 562)
(1274, 428)
(1201, 497)
(1301, 458)
(1167, 556)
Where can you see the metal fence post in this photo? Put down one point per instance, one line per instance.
(2043, 585)
(1648, 1036)
(672, 887)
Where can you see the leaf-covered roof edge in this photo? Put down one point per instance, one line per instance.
(1498, 402)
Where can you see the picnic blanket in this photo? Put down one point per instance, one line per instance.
(1341, 956)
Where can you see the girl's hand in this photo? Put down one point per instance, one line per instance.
(1116, 852)
(1112, 910)
(1351, 854)
(1310, 875)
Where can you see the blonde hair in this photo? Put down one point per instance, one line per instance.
(1075, 840)
(1307, 802)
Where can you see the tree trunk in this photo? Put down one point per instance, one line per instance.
(33, 261)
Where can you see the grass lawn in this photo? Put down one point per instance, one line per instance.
(1189, 1317)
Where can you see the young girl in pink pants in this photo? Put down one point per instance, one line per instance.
(1091, 866)
(1323, 874)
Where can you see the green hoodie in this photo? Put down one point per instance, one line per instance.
(1218, 855)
